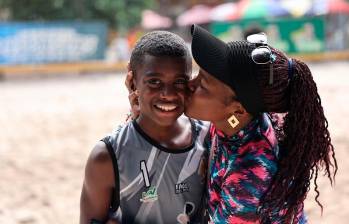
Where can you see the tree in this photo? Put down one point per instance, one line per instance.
(120, 14)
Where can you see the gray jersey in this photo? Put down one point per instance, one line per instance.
(158, 185)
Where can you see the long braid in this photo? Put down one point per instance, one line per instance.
(305, 145)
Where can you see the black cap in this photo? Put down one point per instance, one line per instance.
(230, 63)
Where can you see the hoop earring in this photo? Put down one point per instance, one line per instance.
(233, 121)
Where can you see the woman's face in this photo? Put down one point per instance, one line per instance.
(209, 98)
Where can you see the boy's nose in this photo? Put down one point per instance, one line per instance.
(168, 91)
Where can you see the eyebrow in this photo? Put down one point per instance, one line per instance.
(149, 74)
(156, 74)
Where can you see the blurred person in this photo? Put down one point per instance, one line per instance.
(306, 40)
(268, 136)
(275, 38)
(149, 170)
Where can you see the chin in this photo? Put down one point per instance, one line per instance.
(167, 123)
(164, 120)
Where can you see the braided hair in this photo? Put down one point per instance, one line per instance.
(304, 139)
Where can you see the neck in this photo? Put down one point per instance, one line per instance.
(176, 135)
(228, 130)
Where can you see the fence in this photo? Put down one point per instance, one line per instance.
(51, 42)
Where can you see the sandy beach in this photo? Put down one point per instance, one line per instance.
(49, 125)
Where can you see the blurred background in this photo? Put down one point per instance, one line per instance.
(62, 68)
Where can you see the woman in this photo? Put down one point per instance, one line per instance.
(259, 168)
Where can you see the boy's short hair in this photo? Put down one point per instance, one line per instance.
(158, 43)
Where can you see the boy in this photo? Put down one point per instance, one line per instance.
(147, 171)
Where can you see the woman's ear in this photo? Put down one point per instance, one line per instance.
(237, 108)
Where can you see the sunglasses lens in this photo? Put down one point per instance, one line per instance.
(258, 38)
(261, 55)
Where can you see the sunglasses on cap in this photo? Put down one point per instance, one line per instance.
(262, 54)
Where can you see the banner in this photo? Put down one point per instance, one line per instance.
(292, 35)
(32, 42)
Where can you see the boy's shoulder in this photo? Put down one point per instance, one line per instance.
(201, 124)
(120, 129)
(201, 128)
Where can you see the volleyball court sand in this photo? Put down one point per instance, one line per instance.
(48, 127)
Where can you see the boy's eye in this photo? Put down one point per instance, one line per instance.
(154, 83)
(181, 83)
(201, 84)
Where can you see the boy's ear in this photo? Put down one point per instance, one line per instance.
(133, 84)
(130, 79)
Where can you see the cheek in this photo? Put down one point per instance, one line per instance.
(145, 96)
(200, 94)
(183, 94)
(200, 100)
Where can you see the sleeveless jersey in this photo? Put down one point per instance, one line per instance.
(158, 185)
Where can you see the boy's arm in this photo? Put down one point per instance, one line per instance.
(97, 186)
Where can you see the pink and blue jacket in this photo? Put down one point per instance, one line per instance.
(241, 169)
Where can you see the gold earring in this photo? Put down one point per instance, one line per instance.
(233, 121)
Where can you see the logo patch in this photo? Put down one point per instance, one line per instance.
(181, 188)
(149, 196)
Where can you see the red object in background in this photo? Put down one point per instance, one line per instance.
(224, 12)
(248, 9)
(338, 6)
(198, 14)
(152, 20)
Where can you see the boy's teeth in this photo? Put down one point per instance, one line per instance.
(166, 108)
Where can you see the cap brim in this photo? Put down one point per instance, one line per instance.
(210, 53)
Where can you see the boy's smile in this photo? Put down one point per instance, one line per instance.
(162, 86)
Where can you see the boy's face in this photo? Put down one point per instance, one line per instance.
(162, 86)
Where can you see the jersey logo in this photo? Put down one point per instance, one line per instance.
(184, 218)
(150, 196)
(181, 188)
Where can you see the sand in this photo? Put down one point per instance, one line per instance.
(49, 125)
